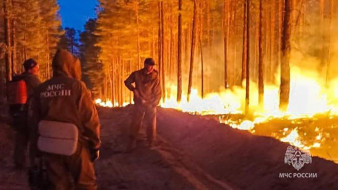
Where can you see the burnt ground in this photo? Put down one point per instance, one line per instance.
(193, 152)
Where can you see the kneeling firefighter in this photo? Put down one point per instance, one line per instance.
(66, 128)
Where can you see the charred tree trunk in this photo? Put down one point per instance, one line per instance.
(179, 53)
(285, 50)
(192, 50)
(260, 59)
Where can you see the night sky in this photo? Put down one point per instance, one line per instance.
(75, 13)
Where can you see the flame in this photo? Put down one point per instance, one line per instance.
(309, 96)
(214, 103)
(245, 125)
(294, 139)
(108, 103)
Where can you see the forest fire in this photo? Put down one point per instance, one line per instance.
(292, 64)
(309, 102)
(238, 85)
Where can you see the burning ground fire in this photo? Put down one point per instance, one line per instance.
(311, 114)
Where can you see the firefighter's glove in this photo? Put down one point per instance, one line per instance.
(94, 154)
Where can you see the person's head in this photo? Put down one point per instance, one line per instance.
(149, 65)
(66, 64)
(31, 66)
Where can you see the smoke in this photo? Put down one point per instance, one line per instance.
(313, 68)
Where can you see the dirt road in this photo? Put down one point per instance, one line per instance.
(193, 152)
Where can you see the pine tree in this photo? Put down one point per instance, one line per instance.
(91, 67)
(68, 41)
(285, 65)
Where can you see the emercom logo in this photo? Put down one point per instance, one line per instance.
(296, 157)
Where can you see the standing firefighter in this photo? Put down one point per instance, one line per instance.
(147, 95)
(20, 90)
(66, 131)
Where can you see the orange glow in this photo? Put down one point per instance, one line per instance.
(308, 97)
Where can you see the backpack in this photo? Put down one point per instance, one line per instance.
(17, 99)
(17, 92)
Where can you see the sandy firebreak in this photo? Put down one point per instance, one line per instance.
(193, 152)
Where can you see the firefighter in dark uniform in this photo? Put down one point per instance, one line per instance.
(64, 98)
(147, 95)
(19, 112)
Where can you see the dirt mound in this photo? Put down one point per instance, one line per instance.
(162, 167)
(238, 157)
(193, 152)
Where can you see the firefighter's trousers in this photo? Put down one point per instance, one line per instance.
(146, 116)
(71, 172)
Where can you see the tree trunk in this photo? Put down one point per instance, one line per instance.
(138, 35)
(162, 52)
(322, 28)
(48, 72)
(8, 55)
(130, 93)
(179, 54)
(172, 54)
(105, 87)
(261, 57)
(208, 29)
(14, 60)
(153, 47)
(171, 48)
(113, 81)
(285, 48)
(159, 38)
(247, 86)
(244, 58)
(280, 27)
(110, 81)
(192, 50)
(273, 43)
(13, 44)
(121, 82)
(202, 70)
(330, 43)
(226, 28)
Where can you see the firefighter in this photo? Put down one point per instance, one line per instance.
(66, 101)
(147, 95)
(18, 110)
